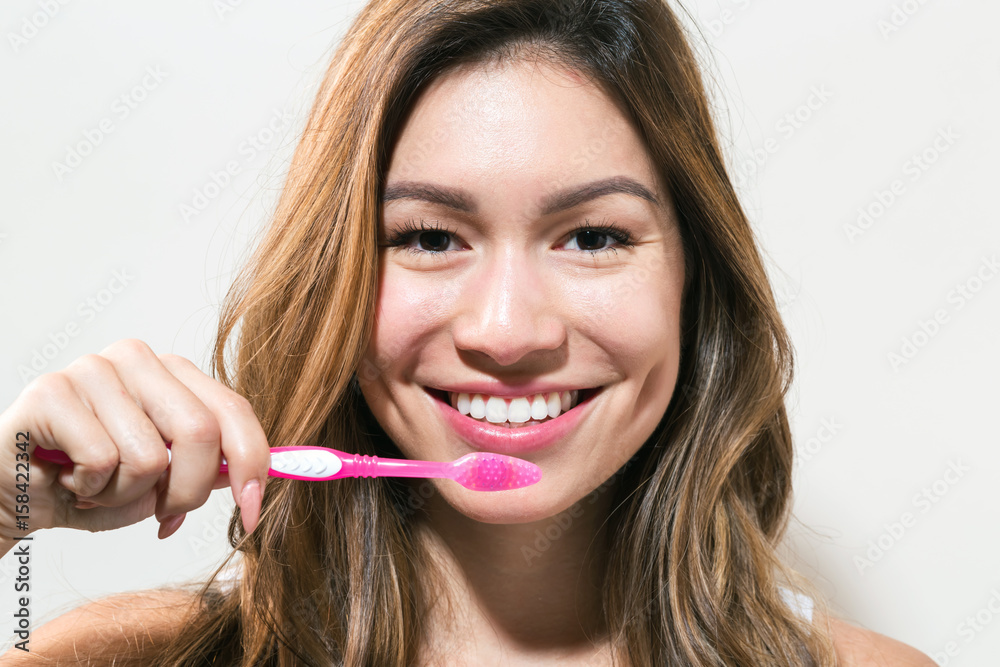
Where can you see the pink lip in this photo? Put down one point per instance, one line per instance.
(513, 441)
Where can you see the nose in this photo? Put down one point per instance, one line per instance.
(508, 311)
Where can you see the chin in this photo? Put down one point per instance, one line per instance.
(518, 506)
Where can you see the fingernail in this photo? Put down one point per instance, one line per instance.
(250, 504)
(170, 525)
(85, 504)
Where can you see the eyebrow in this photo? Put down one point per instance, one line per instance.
(460, 200)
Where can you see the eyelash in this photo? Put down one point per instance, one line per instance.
(411, 228)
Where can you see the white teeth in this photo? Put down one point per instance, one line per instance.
(477, 407)
(519, 411)
(539, 408)
(496, 410)
(554, 404)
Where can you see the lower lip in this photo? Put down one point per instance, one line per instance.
(518, 440)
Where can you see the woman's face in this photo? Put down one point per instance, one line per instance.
(504, 295)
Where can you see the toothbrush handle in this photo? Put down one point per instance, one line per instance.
(60, 457)
(359, 465)
(53, 455)
(354, 465)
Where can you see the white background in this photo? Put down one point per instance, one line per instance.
(869, 85)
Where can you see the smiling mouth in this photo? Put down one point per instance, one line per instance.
(584, 396)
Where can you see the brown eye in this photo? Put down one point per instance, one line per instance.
(431, 239)
(594, 239)
(434, 241)
(590, 239)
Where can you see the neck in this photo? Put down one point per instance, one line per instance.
(523, 590)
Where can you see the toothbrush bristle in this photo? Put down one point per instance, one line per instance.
(483, 471)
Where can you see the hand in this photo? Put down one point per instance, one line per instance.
(111, 413)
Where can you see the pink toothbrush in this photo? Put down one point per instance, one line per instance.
(479, 471)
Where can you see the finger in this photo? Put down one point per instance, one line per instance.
(97, 518)
(141, 451)
(180, 417)
(65, 423)
(244, 443)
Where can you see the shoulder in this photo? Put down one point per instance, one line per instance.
(859, 647)
(131, 620)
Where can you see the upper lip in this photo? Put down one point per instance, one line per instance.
(503, 390)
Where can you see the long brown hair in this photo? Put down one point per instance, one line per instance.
(330, 576)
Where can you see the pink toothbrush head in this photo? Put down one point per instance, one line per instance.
(482, 471)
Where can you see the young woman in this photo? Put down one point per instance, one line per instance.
(493, 204)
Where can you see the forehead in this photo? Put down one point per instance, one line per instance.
(525, 126)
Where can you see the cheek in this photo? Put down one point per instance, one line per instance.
(634, 314)
(408, 310)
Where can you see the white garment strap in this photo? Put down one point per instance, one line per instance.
(800, 603)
